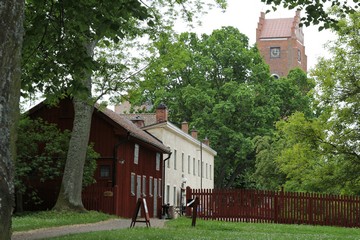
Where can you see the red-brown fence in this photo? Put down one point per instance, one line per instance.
(100, 198)
(277, 207)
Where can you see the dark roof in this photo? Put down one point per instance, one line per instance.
(134, 130)
(277, 28)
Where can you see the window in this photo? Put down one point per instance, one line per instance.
(132, 180)
(157, 161)
(138, 186)
(136, 154)
(168, 193)
(202, 169)
(182, 162)
(199, 167)
(275, 76)
(144, 186)
(159, 194)
(151, 186)
(189, 164)
(175, 197)
(105, 171)
(194, 166)
(274, 52)
(206, 170)
(299, 55)
(210, 171)
(155, 188)
(175, 152)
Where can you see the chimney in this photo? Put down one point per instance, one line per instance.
(194, 133)
(138, 121)
(185, 127)
(260, 26)
(206, 141)
(161, 113)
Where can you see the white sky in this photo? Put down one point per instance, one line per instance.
(244, 15)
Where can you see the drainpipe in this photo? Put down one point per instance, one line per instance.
(163, 182)
(201, 166)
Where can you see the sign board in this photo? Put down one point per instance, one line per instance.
(108, 194)
(141, 203)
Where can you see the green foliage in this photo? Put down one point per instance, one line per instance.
(222, 86)
(212, 230)
(316, 10)
(321, 152)
(42, 150)
(35, 220)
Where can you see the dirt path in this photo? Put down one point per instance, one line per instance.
(80, 228)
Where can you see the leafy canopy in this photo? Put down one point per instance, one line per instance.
(315, 10)
(222, 86)
(321, 152)
(42, 154)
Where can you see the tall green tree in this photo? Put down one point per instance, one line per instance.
(59, 50)
(11, 38)
(321, 152)
(222, 86)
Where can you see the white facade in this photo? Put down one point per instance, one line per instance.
(191, 163)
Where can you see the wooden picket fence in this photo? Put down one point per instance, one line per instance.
(276, 207)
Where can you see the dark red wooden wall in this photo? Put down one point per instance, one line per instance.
(116, 149)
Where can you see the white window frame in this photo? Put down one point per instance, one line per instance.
(168, 193)
(175, 153)
(182, 162)
(136, 153)
(132, 184)
(159, 188)
(143, 186)
(158, 156)
(151, 179)
(189, 164)
(206, 171)
(174, 196)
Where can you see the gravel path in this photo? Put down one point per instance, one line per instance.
(80, 228)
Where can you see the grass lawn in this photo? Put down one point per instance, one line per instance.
(35, 220)
(181, 229)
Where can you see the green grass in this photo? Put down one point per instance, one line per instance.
(36, 220)
(181, 229)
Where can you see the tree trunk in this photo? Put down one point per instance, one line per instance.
(71, 186)
(70, 192)
(219, 180)
(233, 175)
(11, 37)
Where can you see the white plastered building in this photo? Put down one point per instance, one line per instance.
(191, 162)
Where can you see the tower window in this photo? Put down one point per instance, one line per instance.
(299, 55)
(275, 76)
(274, 52)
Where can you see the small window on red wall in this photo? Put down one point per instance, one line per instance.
(105, 171)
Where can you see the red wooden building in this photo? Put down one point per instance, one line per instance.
(130, 166)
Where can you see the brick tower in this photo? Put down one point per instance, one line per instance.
(281, 43)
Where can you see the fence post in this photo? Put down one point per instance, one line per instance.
(188, 196)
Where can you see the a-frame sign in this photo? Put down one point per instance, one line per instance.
(141, 203)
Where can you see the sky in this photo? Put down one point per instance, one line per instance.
(244, 15)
